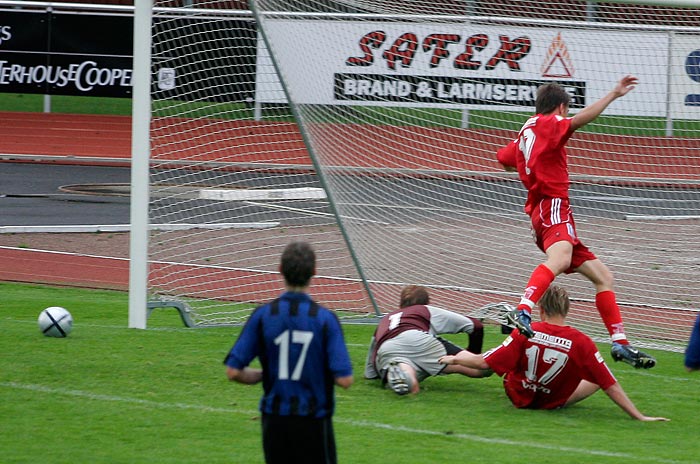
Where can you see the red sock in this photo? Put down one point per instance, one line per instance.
(609, 311)
(538, 284)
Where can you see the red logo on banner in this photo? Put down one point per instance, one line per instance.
(558, 62)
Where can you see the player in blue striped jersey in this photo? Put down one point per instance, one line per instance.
(302, 352)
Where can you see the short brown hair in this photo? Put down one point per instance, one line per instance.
(414, 295)
(549, 97)
(555, 301)
(298, 264)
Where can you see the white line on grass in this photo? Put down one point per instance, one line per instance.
(235, 329)
(654, 376)
(500, 441)
(121, 399)
(620, 373)
(356, 423)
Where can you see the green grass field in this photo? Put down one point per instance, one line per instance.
(109, 394)
(65, 104)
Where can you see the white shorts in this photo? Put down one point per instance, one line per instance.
(415, 348)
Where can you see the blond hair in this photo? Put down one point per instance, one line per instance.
(555, 301)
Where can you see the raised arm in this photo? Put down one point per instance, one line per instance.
(618, 395)
(592, 111)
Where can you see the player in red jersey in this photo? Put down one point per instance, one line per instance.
(556, 367)
(405, 346)
(539, 155)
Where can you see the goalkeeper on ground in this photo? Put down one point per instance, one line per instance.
(405, 346)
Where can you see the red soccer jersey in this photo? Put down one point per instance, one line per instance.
(542, 372)
(540, 155)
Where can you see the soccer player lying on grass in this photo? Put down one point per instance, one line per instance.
(556, 367)
(405, 346)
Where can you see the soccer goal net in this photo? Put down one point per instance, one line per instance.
(231, 182)
(369, 128)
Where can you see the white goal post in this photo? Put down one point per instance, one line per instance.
(369, 128)
(221, 180)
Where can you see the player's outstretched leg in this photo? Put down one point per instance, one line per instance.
(397, 379)
(521, 320)
(632, 356)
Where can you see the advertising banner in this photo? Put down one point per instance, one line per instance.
(204, 59)
(685, 81)
(66, 54)
(90, 54)
(462, 65)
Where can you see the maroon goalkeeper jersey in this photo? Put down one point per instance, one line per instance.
(410, 318)
(415, 317)
(542, 372)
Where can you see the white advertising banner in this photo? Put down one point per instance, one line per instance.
(460, 65)
(685, 81)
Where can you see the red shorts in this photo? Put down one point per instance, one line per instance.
(552, 222)
(522, 397)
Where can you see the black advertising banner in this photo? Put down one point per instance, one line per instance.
(24, 32)
(24, 39)
(448, 89)
(204, 59)
(92, 34)
(90, 54)
(66, 54)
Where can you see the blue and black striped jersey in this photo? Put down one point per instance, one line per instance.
(302, 350)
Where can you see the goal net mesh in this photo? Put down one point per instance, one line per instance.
(390, 114)
(231, 180)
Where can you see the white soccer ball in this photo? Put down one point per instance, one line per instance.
(55, 322)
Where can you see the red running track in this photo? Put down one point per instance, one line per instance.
(91, 139)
